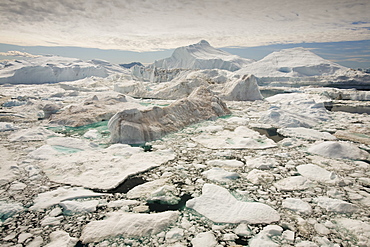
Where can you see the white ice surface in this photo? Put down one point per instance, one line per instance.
(127, 225)
(241, 138)
(113, 164)
(338, 150)
(220, 175)
(297, 205)
(293, 183)
(306, 133)
(204, 239)
(217, 204)
(54, 197)
(317, 173)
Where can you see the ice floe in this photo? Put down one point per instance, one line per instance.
(339, 150)
(120, 224)
(217, 204)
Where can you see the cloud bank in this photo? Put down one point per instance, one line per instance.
(149, 25)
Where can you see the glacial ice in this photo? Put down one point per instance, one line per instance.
(49, 69)
(137, 127)
(218, 205)
(202, 56)
(113, 164)
(54, 197)
(338, 150)
(277, 181)
(241, 138)
(127, 225)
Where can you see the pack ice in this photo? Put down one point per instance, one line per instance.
(203, 148)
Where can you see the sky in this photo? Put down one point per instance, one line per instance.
(144, 30)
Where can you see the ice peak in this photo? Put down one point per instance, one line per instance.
(203, 42)
(202, 56)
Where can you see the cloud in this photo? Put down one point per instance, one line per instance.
(149, 25)
(18, 54)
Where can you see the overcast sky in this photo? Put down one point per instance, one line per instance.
(153, 25)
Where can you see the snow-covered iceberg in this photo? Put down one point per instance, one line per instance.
(202, 56)
(51, 69)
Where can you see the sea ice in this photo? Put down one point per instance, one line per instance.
(225, 163)
(54, 197)
(32, 134)
(61, 238)
(8, 209)
(4, 126)
(293, 183)
(78, 207)
(262, 163)
(127, 225)
(297, 205)
(241, 138)
(336, 205)
(338, 150)
(256, 176)
(317, 173)
(265, 237)
(217, 204)
(113, 164)
(220, 175)
(305, 133)
(204, 239)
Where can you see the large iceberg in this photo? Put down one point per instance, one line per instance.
(133, 126)
(51, 69)
(202, 56)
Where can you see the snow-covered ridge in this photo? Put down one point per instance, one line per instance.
(51, 69)
(202, 56)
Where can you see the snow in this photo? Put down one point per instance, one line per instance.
(48, 69)
(338, 150)
(202, 56)
(54, 197)
(217, 204)
(127, 225)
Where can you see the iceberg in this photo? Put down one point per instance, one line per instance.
(202, 56)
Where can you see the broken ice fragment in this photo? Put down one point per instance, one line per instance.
(217, 204)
